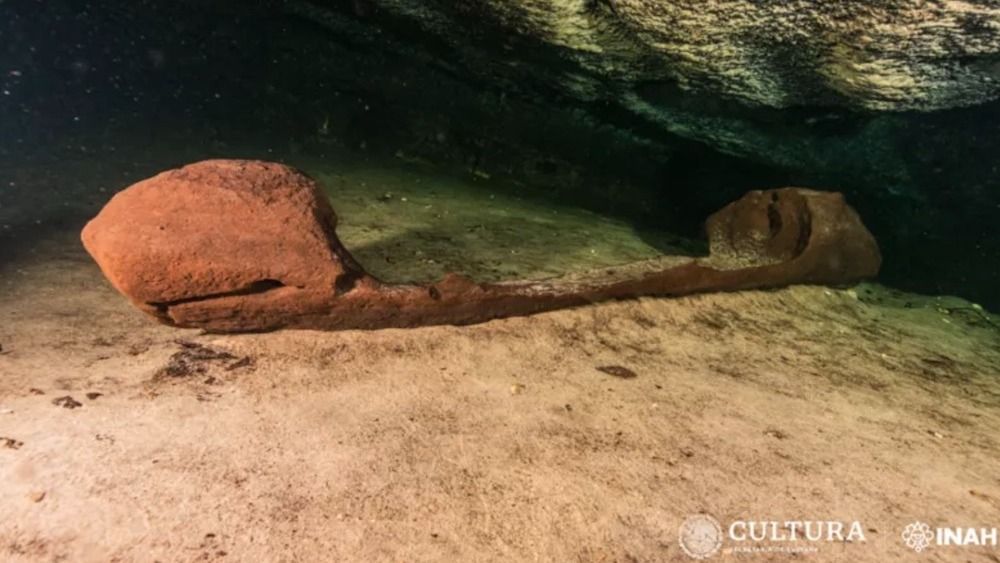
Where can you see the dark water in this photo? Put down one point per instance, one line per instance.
(96, 95)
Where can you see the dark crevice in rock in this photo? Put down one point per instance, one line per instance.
(774, 216)
(347, 281)
(257, 287)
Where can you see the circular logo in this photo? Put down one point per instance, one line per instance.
(917, 536)
(700, 536)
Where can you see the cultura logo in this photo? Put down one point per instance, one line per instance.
(700, 536)
(918, 536)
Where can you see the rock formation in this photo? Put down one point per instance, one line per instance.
(233, 246)
(893, 54)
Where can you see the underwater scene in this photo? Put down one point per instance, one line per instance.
(499, 280)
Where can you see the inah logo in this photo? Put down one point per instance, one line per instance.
(917, 536)
(700, 536)
(966, 536)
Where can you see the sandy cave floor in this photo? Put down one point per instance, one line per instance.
(500, 441)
